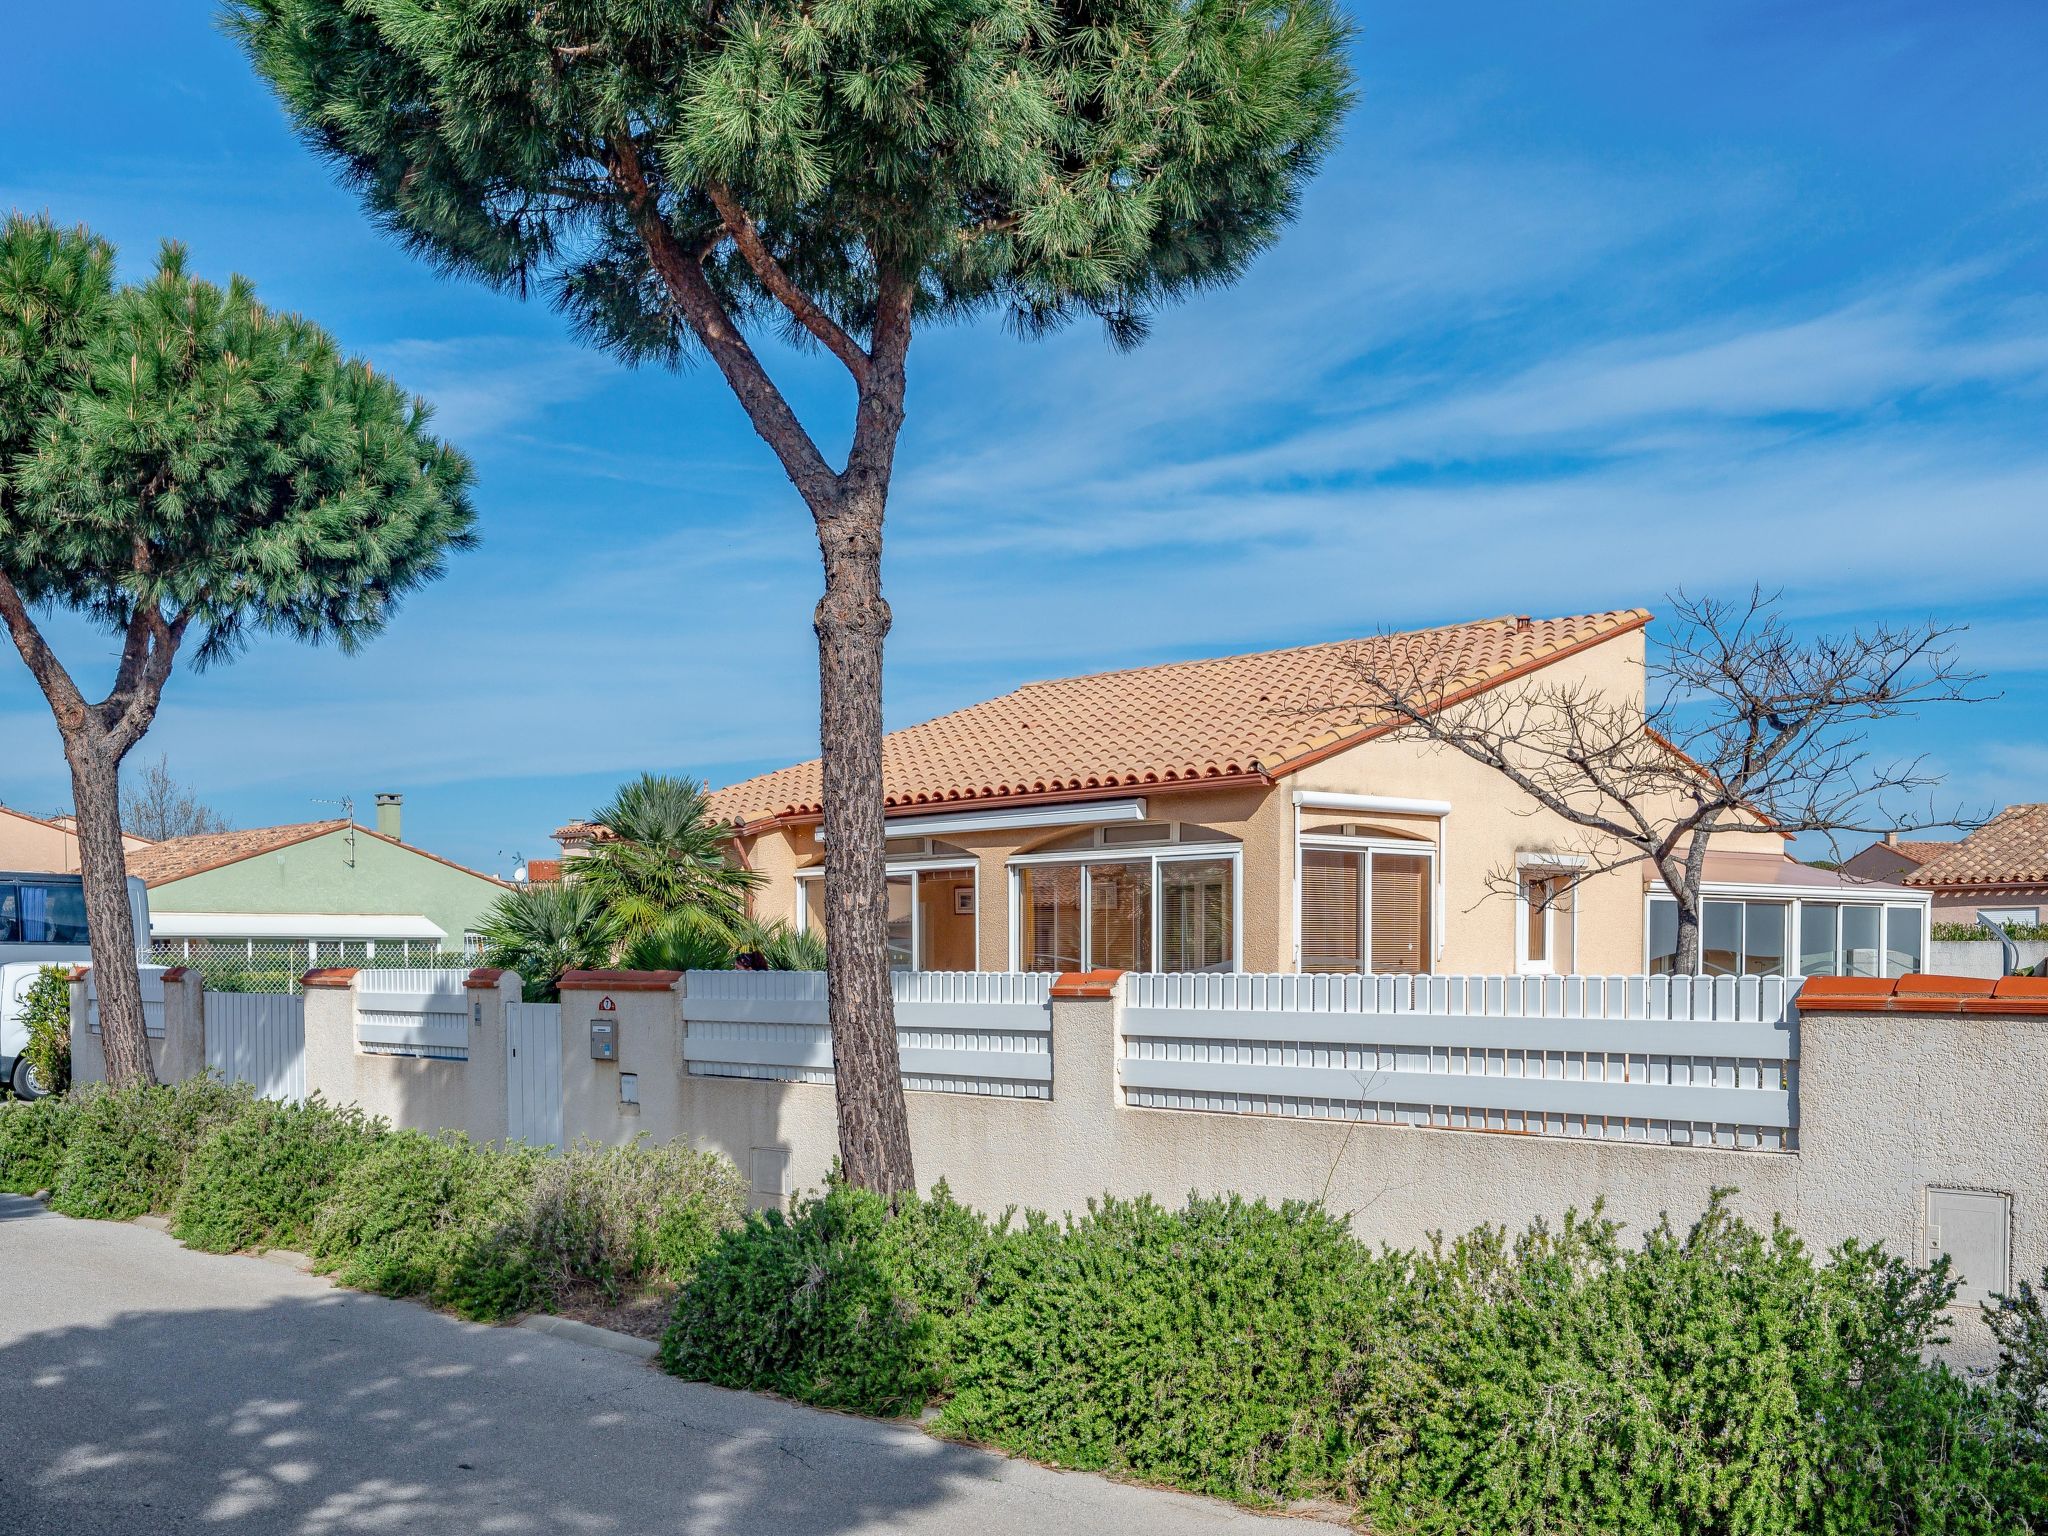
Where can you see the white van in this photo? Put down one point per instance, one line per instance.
(42, 922)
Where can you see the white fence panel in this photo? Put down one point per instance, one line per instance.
(152, 1002)
(533, 1073)
(978, 1032)
(413, 1012)
(258, 1038)
(1707, 1061)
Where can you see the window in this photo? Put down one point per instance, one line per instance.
(929, 927)
(1544, 915)
(38, 913)
(1751, 937)
(1126, 913)
(1901, 941)
(1332, 910)
(1366, 909)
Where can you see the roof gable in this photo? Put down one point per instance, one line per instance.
(2009, 849)
(180, 858)
(1223, 719)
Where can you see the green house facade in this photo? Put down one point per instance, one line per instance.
(335, 891)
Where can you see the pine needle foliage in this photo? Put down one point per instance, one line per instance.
(174, 448)
(1048, 160)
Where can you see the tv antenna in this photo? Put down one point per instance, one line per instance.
(348, 809)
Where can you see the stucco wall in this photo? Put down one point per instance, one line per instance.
(316, 876)
(178, 1055)
(1890, 1104)
(1963, 906)
(29, 844)
(418, 1093)
(1953, 957)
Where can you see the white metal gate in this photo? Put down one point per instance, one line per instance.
(533, 1073)
(260, 1038)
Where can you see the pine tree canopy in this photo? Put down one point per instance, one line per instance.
(174, 455)
(1045, 158)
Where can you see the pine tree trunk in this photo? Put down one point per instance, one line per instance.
(852, 621)
(96, 800)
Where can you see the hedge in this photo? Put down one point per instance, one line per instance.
(1719, 1380)
(484, 1230)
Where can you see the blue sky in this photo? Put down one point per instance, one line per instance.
(1727, 293)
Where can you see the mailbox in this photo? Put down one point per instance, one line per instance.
(604, 1040)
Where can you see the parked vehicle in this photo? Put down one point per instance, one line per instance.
(42, 922)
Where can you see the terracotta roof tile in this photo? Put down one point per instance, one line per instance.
(176, 857)
(2010, 849)
(1183, 723)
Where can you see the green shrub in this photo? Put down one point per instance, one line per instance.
(844, 1304)
(422, 1215)
(1977, 933)
(46, 1015)
(260, 1179)
(618, 1217)
(127, 1148)
(1201, 1346)
(1720, 1381)
(32, 1138)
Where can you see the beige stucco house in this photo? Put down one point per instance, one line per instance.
(1226, 814)
(36, 845)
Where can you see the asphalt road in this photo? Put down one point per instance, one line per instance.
(146, 1389)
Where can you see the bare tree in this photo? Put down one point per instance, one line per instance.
(1741, 724)
(159, 807)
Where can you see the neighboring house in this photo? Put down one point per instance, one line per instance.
(2001, 869)
(46, 845)
(1894, 858)
(1223, 815)
(345, 889)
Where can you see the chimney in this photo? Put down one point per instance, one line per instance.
(1891, 838)
(390, 808)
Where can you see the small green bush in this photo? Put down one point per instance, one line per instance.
(127, 1148)
(844, 1304)
(1201, 1347)
(1977, 933)
(618, 1217)
(1718, 1381)
(423, 1215)
(46, 1014)
(32, 1138)
(260, 1179)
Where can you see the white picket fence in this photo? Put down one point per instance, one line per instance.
(977, 1032)
(413, 1012)
(1707, 1061)
(258, 1038)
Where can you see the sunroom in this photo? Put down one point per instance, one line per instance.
(1773, 917)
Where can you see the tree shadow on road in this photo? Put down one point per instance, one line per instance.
(343, 1412)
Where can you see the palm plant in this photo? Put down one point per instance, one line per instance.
(663, 854)
(686, 940)
(541, 931)
(785, 948)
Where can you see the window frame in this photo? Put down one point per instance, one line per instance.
(935, 864)
(1368, 847)
(1533, 868)
(1153, 854)
(1796, 905)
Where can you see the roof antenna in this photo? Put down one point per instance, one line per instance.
(348, 809)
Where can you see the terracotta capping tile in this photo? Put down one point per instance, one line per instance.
(1089, 984)
(1830, 991)
(483, 979)
(618, 981)
(2014, 996)
(175, 973)
(1946, 986)
(77, 973)
(336, 976)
